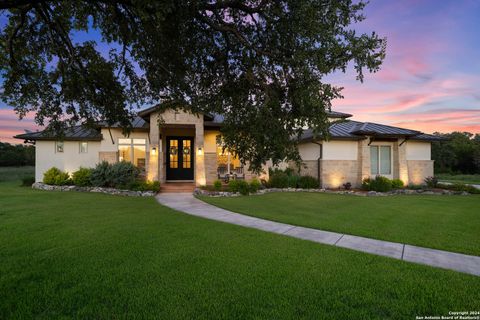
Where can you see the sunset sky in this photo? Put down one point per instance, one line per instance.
(430, 80)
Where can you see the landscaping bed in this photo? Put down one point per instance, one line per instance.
(113, 191)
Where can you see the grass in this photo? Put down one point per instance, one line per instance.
(82, 255)
(442, 222)
(16, 173)
(459, 178)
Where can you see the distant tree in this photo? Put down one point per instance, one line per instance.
(459, 154)
(261, 64)
(16, 155)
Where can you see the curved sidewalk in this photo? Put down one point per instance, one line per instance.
(187, 203)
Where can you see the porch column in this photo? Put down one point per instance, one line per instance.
(200, 178)
(402, 163)
(363, 160)
(154, 151)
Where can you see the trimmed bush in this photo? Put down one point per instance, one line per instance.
(140, 185)
(217, 185)
(308, 182)
(397, 184)
(55, 176)
(243, 187)
(100, 176)
(278, 180)
(293, 181)
(81, 177)
(233, 185)
(379, 184)
(28, 181)
(123, 173)
(255, 185)
(431, 182)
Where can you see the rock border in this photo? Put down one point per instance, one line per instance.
(438, 192)
(112, 191)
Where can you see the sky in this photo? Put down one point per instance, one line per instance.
(429, 81)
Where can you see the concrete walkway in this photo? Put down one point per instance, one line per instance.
(187, 203)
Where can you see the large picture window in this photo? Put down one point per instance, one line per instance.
(381, 160)
(133, 150)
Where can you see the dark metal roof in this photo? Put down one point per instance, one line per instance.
(339, 115)
(355, 130)
(137, 123)
(82, 132)
(72, 133)
(369, 128)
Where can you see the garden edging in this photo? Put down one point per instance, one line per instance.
(113, 191)
(345, 192)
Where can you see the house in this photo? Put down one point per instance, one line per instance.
(185, 148)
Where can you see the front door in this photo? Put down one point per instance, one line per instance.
(179, 158)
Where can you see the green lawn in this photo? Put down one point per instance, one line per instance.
(459, 178)
(79, 255)
(442, 222)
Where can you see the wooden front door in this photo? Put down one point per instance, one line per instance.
(180, 158)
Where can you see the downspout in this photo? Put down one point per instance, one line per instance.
(320, 156)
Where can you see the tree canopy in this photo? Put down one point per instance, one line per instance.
(261, 64)
(459, 153)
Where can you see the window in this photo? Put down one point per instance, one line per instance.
(133, 150)
(380, 160)
(83, 147)
(59, 146)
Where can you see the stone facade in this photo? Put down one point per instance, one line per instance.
(363, 163)
(110, 157)
(334, 173)
(418, 170)
(211, 167)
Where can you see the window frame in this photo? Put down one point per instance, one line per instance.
(380, 160)
(80, 147)
(57, 146)
(133, 142)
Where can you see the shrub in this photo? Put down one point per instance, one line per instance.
(397, 184)
(347, 186)
(140, 185)
(28, 181)
(81, 177)
(243, 187)
(278, 180)
(254, 185)
(460, 187)
(308, 182)
(431, 182)
(233, 185)
(123, 173)
(293, 181)
(379, 184)
(217, 185)
(416, 186)
(56, 177)
(101, 175)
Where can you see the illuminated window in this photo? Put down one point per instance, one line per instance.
(173, 153)
(83, 147)
(59, 146)
(134, 151)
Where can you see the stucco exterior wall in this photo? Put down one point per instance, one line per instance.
(309, 151)
(340, 150)
(69, 160)
(416, 150)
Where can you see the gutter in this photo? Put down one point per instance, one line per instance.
(319, 162)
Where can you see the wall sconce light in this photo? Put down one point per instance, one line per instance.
(154, 151)
(199, 151)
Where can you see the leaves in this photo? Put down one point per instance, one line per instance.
(260, 64)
